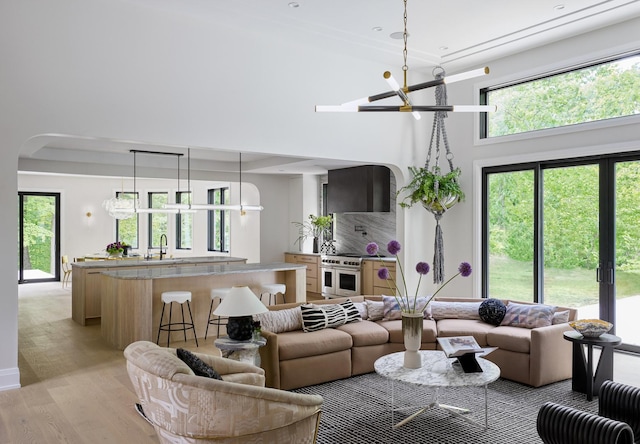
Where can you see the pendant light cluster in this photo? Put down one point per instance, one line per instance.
(122, 208)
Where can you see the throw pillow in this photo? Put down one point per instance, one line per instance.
(362, 308)
(454, 310)
(375, 310)
(560, 317)
(319, 317)
(197, 365)
(528, 316)
(392, 308)
(279, 321)
(492, 311)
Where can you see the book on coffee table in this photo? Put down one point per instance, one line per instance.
(464, 348)
(459, 345)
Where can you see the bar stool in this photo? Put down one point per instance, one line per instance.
(272, 290)
(180, 297)
(216, 293)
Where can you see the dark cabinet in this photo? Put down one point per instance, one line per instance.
(359, 189)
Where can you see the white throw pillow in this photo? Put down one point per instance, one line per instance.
(279, 321)
(375, 310)
(454, 310)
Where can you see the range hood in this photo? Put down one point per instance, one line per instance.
(359, 189)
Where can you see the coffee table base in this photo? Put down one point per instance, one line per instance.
(458, 412)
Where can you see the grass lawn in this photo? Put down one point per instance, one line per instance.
(510, 279)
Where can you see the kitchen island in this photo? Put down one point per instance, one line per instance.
(131, 298)
(86, 290)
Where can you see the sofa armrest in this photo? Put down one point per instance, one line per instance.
(550, 355)
(226, 366)
(270, 359)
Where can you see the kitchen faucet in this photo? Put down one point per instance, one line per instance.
(162, 253)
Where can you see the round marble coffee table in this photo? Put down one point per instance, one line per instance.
(437, 371)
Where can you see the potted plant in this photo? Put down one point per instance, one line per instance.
(116, 248)
(436, 192)
(315, 227)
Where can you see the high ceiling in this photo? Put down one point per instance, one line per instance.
(455, 34)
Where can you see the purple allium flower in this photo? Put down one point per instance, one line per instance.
(464, 269)
(422, 267)
(372, 249)
(383, 274)
(394, 247)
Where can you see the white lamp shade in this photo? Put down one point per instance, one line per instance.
(240, 301)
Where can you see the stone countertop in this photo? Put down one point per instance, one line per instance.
(124, 263)
(384, 259)
(202, 270)
(364, 257)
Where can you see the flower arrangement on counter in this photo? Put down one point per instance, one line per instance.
(407, 303)
(116, 247)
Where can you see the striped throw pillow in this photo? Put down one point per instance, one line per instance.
(319, 317)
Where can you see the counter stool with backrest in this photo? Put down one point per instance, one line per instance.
(66, 270)
(272, 290)
(219, 294)
(179, 297)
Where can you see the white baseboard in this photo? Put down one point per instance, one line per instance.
(9, 378)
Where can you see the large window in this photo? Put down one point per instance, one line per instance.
(219, 221)
(590, 93)
(566, 233)
(158, 222)
(184, 223)
(127, 229)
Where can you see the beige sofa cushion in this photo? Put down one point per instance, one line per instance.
(298, 344)
(395, 331)
(510, 338)
(365, 333)
(465, 327)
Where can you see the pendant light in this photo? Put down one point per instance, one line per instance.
(359, 105)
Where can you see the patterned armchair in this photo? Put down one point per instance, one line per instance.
(185, 408)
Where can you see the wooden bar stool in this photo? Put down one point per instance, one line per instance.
(272, 290)
(216, 293)
(179, 297)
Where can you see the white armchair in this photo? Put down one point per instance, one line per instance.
(185, 408)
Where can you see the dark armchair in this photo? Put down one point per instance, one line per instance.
(617, 421)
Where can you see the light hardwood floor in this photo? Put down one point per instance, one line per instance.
(75, 388)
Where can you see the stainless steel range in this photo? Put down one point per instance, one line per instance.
(340, 275)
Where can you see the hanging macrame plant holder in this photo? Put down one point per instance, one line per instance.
(443, 200)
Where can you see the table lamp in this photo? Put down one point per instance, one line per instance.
(239, 305)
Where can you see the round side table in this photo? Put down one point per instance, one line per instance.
(244, 351)
(584, 380)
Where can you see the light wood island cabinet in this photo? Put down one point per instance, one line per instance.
(371, 283)
(87, 284)
(312, 261)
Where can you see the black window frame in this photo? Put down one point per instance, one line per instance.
(211, 220)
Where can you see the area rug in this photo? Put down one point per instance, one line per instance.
(358, 410)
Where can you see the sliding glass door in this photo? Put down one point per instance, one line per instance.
(38, 237)
(567, 233)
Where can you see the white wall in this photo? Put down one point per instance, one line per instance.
(81, 235)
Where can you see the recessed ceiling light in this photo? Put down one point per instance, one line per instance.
(443, 48)
(377, 28)
(294, 4)
(398, 35)
(558, 7)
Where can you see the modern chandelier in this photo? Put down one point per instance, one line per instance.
(360, 105)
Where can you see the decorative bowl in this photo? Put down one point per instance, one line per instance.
(591, 328)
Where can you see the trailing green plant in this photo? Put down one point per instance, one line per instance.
(422, 189)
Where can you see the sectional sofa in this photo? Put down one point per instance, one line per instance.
(294, 358)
